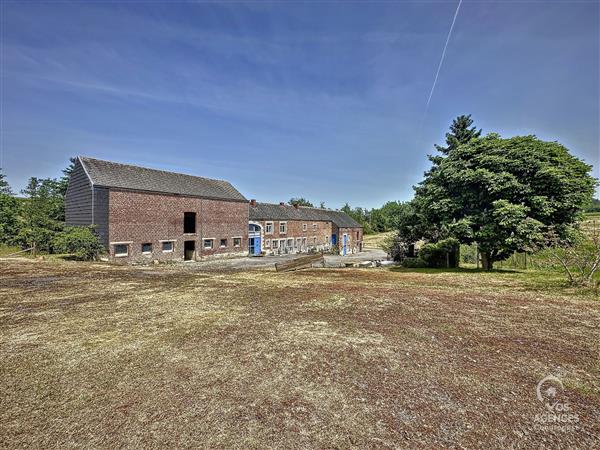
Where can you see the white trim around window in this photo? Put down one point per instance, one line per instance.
(233, 240)
(267, 231)
(304, 227)
(284, 224)
(167, 241)
(118, 244)
(212, 243)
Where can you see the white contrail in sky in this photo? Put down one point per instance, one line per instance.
(437, 74)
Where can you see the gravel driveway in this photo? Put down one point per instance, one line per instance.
(268, 262)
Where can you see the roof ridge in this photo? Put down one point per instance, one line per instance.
(299, 206)
(150, 168)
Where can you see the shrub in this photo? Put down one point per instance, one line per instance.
(468, 253)
(396, 247)
(578, 257)
(413, 263)
(443, 253)
(79, 241)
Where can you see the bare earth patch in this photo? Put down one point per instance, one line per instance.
(102, 356)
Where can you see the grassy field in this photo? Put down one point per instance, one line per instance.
(375, 240)
(101, 356)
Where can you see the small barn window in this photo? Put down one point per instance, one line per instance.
(237, 242)
(121, 250)
(223, 242)
(208, 243)
(189, 222)
(267, 242)
(275, 243)
(269, 227)
(167, 246)
(303, 227)
(283, 227)
(147, 248)
(314, 227)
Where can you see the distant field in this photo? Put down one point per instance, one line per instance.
(591, 222)
(375, 240)
(103, 356)
(6, 250)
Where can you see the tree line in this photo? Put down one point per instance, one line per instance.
(37, 220)
(375, 220)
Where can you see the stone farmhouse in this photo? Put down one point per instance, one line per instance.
(282, 228)
(143, 214)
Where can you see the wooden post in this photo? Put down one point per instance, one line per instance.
(477, 255)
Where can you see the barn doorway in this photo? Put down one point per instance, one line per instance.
(189, 249)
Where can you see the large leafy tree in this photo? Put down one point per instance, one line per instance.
(503, 194)
(461, 132)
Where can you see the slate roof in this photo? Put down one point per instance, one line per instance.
(124, 176)
(269, 211)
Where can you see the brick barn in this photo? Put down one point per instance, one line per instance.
(146, 214)
(282, 228)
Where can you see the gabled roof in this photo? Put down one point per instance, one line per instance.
(124, 176)
(269, 211)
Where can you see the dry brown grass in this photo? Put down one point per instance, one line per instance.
(102, 356)
(376, 240)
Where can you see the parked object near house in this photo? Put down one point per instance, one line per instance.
(282, 229)
(147, 214)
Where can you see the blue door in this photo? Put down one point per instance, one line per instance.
(345, 242)
(256, 246)
(334, 239)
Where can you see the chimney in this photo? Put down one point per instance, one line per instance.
(296, 205)
(281, 203)
(253, 202)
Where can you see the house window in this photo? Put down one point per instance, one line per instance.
(357, 235)
(314, 239)
(290, 243)
(147, 248)
(269, 227)
(303, 227)
(189, 222)
(223, 242)
(314, 227)
(275, 243)
(121, 250)
(208, 243)
(267, 243)
(237, 242)
(283, 227)
(167, 246)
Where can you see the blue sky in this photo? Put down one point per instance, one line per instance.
(319, 99)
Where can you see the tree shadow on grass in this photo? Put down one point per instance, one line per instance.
(466, 270)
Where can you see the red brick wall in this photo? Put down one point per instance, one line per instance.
(295, 231)
(355, 237)
(138, 218)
